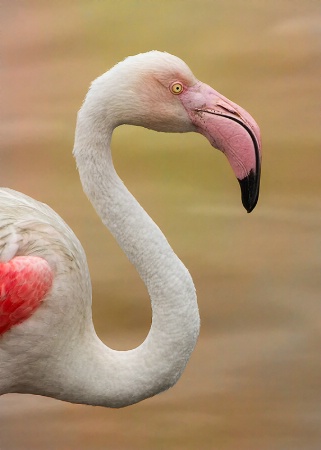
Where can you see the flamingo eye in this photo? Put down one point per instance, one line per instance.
(176, 88)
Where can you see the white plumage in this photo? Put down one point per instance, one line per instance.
(56, 351)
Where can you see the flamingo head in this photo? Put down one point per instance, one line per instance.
(158, 91)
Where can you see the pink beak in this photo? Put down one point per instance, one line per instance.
(231, 129)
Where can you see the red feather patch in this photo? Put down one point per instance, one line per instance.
(24, 282)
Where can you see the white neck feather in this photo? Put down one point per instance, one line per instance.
(119, 378)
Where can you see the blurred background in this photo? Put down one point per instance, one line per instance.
(254, 380)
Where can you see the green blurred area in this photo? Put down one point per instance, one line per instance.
(253, 381)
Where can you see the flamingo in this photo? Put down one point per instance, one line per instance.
(48, 344)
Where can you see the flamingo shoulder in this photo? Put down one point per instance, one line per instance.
(24, 283)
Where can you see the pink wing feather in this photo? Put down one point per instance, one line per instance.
(24, 283)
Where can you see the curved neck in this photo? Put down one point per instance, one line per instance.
(120, 378)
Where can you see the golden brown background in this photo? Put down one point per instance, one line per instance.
(254, 380)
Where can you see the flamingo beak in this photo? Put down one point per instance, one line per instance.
(231, 129)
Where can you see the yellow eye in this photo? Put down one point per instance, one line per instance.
(176, 88)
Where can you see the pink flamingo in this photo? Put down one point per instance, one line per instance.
(48, 344)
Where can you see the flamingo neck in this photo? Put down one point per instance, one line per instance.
(119, 378)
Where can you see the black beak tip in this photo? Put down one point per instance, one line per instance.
(250, 186)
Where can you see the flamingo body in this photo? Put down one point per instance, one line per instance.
(48, 344)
